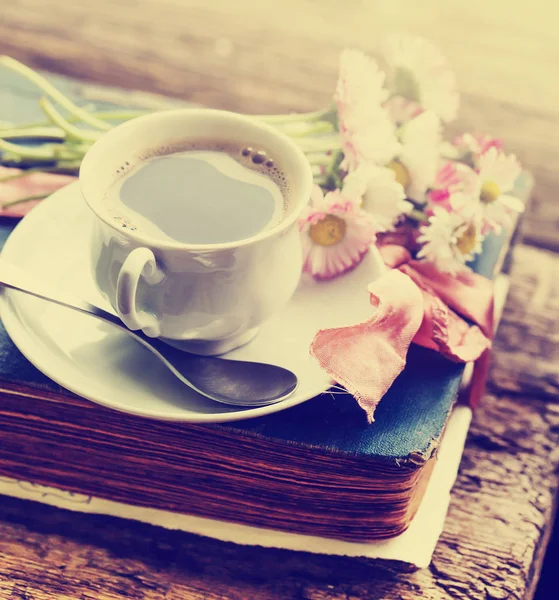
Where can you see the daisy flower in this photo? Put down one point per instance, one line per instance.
(336, 234)
(379, 194)
(496, 175)
(488, 186)
(366, 130)
(418, 72)
(360, 82)
(451, 238)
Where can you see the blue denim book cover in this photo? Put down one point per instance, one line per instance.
(410, 419)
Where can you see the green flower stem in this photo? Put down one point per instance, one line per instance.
(104, 115)
(319, 127)
(312, 131)
(332, 177)
(62, 167)
(294, 117)
(51, 91)
(418, 215)
(65, 167)
(22, 200)
(72, 132)
(70, 151)
(43, 130)
(326, 144)
(46, 133)
(44, 153)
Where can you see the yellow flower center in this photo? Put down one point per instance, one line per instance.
(328, 231)
(402, 174)
(467, 240)
(489, 192)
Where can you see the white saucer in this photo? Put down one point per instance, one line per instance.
(101, 364)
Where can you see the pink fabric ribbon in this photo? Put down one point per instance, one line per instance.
(415, 303)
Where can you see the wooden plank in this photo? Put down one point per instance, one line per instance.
(274, 57)
(494, 538)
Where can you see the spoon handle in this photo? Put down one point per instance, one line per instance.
(17, 279)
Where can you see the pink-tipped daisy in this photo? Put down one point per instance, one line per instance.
(366, 130)
(336, 234)
(452, 237)
(419, 72)
(379, 194)
(490, 186)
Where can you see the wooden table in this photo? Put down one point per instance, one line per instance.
(272, 57)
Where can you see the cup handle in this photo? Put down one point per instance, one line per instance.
(139, 263)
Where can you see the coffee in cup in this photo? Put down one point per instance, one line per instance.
(206, 192)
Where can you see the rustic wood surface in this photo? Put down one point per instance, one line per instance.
(266, 57)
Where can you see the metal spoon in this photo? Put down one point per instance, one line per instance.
(234, 382)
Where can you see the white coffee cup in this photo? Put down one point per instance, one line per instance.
(207, 298)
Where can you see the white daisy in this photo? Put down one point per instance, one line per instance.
(419, 72)
(366, 130)
(490, 185)
(336, 234)
(451, 238)
(379, 193)
(497, 174)
(360, 83)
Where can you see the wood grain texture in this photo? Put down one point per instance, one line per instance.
(264, 56)
(494, 538)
